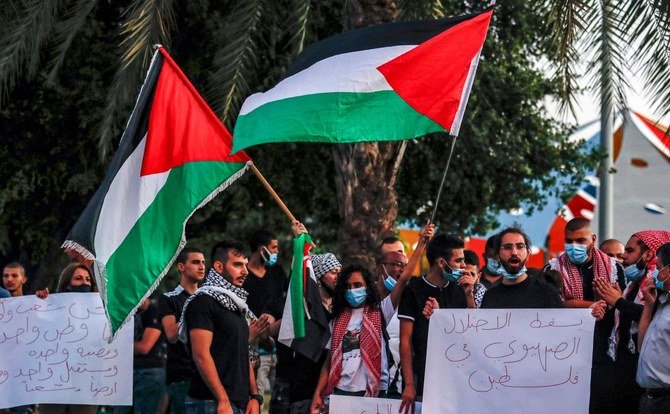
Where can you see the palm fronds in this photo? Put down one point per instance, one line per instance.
(420, 9)
(608, 41)
(148, 22)
(297, 23)
(66, 31)
(649, 24)
(234, 62)
(566, 19)
(26, 28)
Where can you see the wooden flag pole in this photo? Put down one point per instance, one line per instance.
(444, 177)
(272, 192)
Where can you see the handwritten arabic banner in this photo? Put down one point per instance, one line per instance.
(509, 360)
(365, 405)
(56, 351)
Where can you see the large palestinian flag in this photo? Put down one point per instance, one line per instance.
(384, 83)
(173, 158)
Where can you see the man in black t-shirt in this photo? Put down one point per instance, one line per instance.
(214, 323)
(267, 284)
(148, 362)
(518, 290)
(179, 368)
(444, 283)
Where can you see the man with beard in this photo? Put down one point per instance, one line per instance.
(639, 261)
(581, 267)
(450, 288)
(179, 369)
(215, 324)
(518, 290)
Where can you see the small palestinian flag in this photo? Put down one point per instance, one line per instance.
(304, 326)
(174, 157)
(384, 83)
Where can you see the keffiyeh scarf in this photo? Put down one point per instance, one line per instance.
(603, 267)
(228, 295)
(371, 349)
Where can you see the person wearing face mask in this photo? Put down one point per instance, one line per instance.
(76, 278)
(517, 289)
(450, 288)
(266, 284)
(357, 359)
(639, 260)
(491, 274)
(653, 372)
(297, 375)
(581, 265)
(394, 272)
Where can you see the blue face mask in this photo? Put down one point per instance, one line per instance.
(356, 297)
(452, 275)
(493, 266)
(512, 276)
(389, 283)
(658, 283)
(633, 273)
(577, 253)
(270, 258)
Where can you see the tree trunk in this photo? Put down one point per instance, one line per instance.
(366, 172)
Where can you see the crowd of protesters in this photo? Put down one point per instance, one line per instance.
(211, 345)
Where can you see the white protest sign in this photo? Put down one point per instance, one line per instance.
(340, 404)
(509, 360)
(56, 351)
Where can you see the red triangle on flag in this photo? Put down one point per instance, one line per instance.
(182, 128)
(433, 77)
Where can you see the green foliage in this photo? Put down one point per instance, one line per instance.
(507, 150)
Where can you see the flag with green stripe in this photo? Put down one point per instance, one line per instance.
(173, 158)
(304, 325)
(388, 82)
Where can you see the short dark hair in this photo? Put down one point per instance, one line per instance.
(443, 246)
(512, 230)
(390, 240)
(260, 238)
(608, 241)
(577, 223)
(182, 257)
(16, 265)
(221, 249)
(663, 254)
(471, 258)
(339, 299)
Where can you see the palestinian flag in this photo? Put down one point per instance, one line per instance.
(304, 326)
(173, 159)
(384, 83)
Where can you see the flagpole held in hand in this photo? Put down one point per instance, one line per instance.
(444, 177)
(272, 192)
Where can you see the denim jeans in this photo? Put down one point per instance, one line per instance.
(194, 406)
(148, 389)
(177, 394)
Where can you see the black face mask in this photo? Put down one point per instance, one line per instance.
(80, 289)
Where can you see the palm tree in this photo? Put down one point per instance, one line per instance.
(32, 29)
(618, 37)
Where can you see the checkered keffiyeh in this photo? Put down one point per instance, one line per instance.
(653, 239)
(603, 267)
(323, 263)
